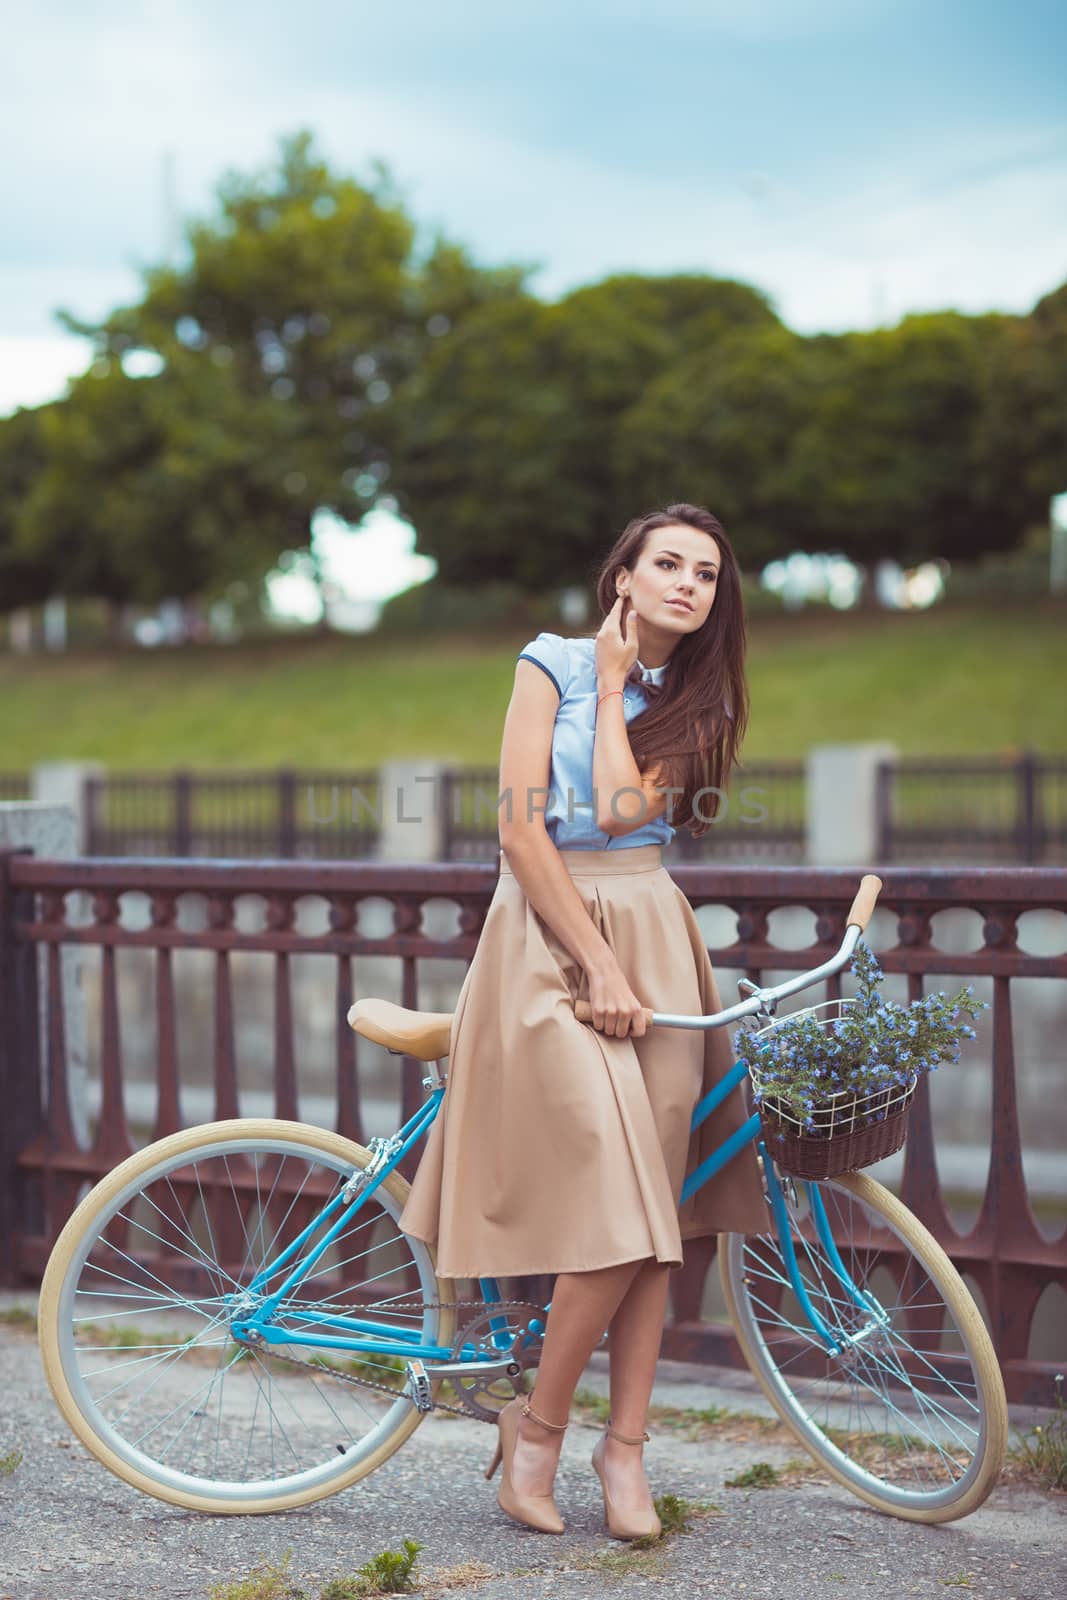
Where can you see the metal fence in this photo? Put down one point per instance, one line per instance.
(1012, 809)
(300, 815)
(45, 1165)
(987, 810)
(761, 817)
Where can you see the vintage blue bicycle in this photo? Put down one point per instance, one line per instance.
(233, 1321)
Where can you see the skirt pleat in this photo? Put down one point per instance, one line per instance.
(558, 1148)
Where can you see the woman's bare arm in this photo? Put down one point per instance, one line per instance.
(525, 768)
(616, 775)
(625, 799)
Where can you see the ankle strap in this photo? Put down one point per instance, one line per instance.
(553, 1427)
(625, 1438)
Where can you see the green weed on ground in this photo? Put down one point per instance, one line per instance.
(642, 1556)
(389, 1572)
(676, 1516)
(10, 1463)
(1042, 1449)
(760, 1475)
(268, 1581)
(21, 1319)
(694, 1422)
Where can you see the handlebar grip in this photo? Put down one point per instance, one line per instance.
(584, 1012)
(863, 905)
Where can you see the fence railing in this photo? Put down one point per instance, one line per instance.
(761, 818)
(44, 1165)
(987, 809)
(316, 815)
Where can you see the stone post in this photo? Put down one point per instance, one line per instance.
(62, 783)
(413, 829)
(842, 810)
(51, 831)
(413, 814)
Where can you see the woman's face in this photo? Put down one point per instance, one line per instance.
(678, 563)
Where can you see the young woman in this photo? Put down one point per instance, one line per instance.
(562, 1147)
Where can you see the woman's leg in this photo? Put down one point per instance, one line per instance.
(635, 1335)
(583, 1305)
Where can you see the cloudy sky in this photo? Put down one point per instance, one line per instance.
(857, 159)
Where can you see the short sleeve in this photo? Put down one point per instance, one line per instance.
(549, 651)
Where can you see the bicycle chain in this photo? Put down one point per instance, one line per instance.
(391, 1305)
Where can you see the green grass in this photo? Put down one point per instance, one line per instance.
(959, 680)
(269, 1580)
(1042, 1449)
(676, 1516)
(692, 1422)
(760, 1475)
(22, 1319)
(390, 1572)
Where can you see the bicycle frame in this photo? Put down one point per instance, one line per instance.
(359, 1335)
(356, 1334)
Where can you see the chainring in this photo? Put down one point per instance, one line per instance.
(519, 1342)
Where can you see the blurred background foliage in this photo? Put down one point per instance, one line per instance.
(309, 356)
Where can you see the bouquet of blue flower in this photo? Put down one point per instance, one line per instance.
(845, 1071)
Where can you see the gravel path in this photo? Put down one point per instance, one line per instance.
(71, 1531)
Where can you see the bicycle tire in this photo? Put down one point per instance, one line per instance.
(180, 1245)
(953, 1393)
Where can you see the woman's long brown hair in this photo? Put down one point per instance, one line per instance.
(684, 730)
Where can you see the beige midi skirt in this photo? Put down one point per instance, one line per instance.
(558, 1148)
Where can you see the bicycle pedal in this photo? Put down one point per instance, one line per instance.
(419, 1386)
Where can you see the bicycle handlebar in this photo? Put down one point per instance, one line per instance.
(763, 999)
(860, 911)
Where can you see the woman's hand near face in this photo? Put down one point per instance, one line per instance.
(616, 645)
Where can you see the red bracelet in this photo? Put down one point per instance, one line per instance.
(608, 696)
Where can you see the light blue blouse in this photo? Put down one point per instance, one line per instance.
(570, 817)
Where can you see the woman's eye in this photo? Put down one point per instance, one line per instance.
(665, 561)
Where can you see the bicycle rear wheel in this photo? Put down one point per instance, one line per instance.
(137, 1300)
(911, 1414)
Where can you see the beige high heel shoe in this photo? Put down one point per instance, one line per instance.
(535, 1510)
(618, 1525)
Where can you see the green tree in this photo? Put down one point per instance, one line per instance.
(487, 438)
(718, 428)
(25, 578)
(1024, 444)
(158, 486)
(870, 444)
(276, 350)
(890, 460)
(507, 464)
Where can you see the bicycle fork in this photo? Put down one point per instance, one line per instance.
(836, 1342)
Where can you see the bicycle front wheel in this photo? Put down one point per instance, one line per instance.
(910, 1412)
(140, 1290)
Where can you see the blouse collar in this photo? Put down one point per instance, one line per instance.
(653, 674)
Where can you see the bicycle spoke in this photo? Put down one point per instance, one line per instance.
(898, 1404)
(185, 1406)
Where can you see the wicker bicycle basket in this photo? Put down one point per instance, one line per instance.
(849, 1130)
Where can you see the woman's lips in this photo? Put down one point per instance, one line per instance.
(679, 605)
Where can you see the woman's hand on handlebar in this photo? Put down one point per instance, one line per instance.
(616, 1009)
